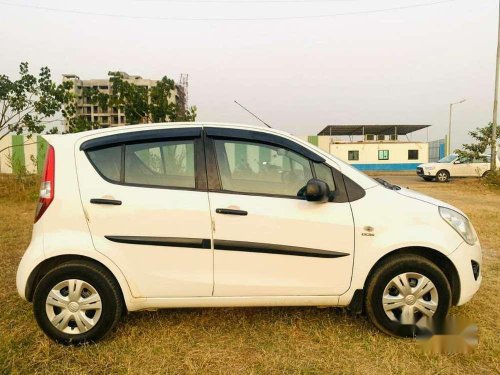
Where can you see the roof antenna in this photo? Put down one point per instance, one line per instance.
(265, 123)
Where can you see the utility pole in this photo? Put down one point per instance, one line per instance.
(449, 125)
(493, 165)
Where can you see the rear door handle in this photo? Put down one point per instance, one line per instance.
(230, 211)
(113, 202)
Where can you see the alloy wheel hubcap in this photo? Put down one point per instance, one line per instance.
(410, 298)
(442, 177)
(73, 306)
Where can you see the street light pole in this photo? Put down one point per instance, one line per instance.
(493, 165)
(449, 125)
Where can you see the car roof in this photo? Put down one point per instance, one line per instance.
(154, 126)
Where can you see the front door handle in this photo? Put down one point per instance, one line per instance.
(113, 202)
(230, 211)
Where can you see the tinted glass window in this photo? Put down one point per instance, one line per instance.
(324, 173)
(160, 164)
(262, 169)
(107, 161)
(353, 155)
(412, 154)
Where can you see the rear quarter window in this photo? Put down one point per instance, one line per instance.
(107, 161)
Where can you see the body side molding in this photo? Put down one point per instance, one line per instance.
(198, 243)
(255, 247)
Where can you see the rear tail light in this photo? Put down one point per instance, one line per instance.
(47, 186)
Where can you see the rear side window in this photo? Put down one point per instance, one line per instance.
(160, 164)
(107, 161)
(155, 164)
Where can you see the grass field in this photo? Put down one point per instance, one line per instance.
(248, 340)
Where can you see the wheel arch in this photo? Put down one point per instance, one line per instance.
(443, 170)
(438, 258)
(46, 265)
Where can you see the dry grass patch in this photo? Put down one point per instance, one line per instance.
(247, 340)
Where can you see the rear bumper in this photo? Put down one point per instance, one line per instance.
(466, 258)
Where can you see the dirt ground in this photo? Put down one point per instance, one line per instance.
(250, 340)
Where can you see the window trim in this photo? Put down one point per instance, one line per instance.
(200, 175)
(267, 138)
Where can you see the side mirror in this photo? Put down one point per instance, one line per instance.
(317, 191)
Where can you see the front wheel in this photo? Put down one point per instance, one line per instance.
(407, 294)
(442, 176)
(77, 302)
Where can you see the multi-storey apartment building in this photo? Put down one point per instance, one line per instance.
(111, 116)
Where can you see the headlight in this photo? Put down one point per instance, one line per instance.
(460, 223)
(430, 168)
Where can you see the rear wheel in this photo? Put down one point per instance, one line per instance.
(407, 294)
(443, 176)
(77, 302)
(485, 174)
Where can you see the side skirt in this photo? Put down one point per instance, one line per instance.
(136, 304)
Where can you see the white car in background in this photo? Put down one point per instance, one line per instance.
(454, 166)
(210, 215)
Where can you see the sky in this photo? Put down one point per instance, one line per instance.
(361, 62)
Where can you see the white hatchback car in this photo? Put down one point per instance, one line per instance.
(453, 166)
(203, 215)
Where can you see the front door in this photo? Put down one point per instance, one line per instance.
(145, 197)
(268, 240)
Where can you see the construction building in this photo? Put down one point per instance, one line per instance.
(113, 116)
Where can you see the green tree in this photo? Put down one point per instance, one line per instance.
(476, 150)
(141, 103)
(28, 105)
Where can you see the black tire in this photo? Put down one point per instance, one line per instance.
(393, 267)
(443, 176)
(101, 280)
(428, 178)
(485, 174)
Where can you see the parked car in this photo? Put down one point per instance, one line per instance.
(203, 215)
(454, 166)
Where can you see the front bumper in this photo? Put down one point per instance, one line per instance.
(466, 259)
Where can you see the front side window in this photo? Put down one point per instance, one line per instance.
(167, 163)
(383, 154)
(353, 155)
(250, 167)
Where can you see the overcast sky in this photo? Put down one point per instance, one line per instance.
(390, 67)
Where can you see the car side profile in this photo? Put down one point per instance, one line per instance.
(454, 166)
(204, 215)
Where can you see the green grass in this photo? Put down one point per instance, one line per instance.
(246, 340)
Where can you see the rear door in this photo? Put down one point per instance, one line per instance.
(268, 240)
(145, 197)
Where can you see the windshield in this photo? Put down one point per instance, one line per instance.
(448, 159)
